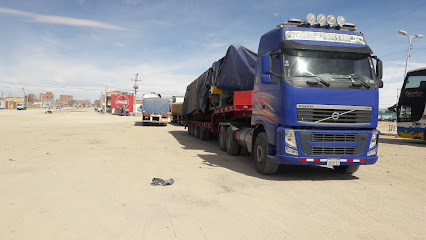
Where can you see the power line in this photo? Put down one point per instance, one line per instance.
(392, 53)
(72, 88)
(393, 75)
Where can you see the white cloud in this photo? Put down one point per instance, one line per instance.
(51, 19)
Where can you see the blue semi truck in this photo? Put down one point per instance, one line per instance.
(309, 96)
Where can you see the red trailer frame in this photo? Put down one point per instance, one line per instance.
(242, 108)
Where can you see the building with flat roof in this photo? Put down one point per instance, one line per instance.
(47, 97)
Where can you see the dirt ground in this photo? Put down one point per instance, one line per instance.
(78, 174)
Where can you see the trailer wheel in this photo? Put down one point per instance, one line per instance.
(222, 138)
(346, 169)
(232, 146)
(203, 133)
(208, 135)
(260, 155)
(197, 132)
(192, 130)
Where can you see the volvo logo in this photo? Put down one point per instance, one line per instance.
(335, 116)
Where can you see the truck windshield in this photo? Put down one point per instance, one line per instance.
(331, 67)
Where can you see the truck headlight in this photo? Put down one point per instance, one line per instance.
(290, 138)
(373, 141)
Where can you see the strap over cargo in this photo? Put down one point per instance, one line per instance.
(234, 72)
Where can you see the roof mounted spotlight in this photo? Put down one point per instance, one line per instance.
(291, 21)
(321, 19)
(331, 20)
(341, 21)
(349, 26)
(310, 18)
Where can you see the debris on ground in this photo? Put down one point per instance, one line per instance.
(159, 181)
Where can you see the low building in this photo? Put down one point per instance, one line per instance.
(64, 100)
(47, 97)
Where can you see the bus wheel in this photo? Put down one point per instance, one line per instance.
(260, 155)
(232, 146)
(347, 169)
(222, 138)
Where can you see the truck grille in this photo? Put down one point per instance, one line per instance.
(330, 137)
(333, 150)
(333, 114)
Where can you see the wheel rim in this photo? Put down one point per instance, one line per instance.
(259, 154)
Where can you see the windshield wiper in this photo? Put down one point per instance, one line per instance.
(316, 78)
(360, 81)
(355, 79)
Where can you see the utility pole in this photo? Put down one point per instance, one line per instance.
(402, 32)
(135, 86)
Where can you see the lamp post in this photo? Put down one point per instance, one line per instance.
(402, 32)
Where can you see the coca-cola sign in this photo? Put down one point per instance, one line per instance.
(118, 101)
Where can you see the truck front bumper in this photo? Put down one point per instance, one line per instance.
(322, 147)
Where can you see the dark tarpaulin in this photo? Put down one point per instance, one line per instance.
(234, 72)
(156, 105)
(237, 69)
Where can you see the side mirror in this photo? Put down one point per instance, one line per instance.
(266, 64)
(379, 69)
(266, 79)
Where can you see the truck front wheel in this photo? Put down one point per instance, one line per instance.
(222, 138)
(260, 155)
(347, 169)
(232, 146)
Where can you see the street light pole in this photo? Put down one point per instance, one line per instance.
(402, 32)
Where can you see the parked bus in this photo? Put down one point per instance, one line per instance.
(411, 111)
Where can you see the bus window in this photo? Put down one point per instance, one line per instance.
(405, 113)
(415, 81)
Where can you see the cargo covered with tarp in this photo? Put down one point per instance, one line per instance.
(156, 105)
(176, 108)
(234, 72)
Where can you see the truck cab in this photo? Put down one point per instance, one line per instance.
(315, 97)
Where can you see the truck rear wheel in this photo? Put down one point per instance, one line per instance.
(197, 132)
(232, 146)
(203, 133)
(222, 138)
(260, 155)
(347, 169)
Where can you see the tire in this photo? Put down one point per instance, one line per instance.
(222, 138)
(260, 155)
(208, 135)
(346, 169)
(192, 130)
(203, 133)
(232, 146)
(197, 132)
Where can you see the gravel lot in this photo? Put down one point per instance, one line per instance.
(78, 174)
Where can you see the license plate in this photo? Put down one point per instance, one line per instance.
(333, 162)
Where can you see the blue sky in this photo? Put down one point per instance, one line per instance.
(78, 47)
